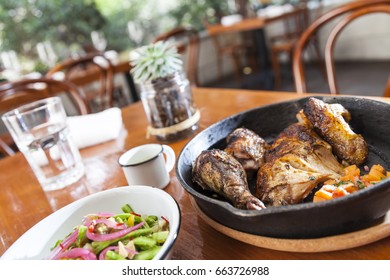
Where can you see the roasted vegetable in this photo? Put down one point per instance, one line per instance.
(351, 182)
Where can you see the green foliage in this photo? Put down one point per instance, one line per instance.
(25, 23)
(67, 24)
(196, 12)
(40, 67)
(117, 17)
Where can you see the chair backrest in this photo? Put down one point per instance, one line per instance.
(15, 94)
(294, 22)
(84, 71)
(187, 41)
(220, 40)
(348, 13)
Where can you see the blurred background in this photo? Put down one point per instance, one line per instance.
(67, 25)
(35, 35)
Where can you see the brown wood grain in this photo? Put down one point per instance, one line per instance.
(247, 24)
(23, 203)
(310, 245)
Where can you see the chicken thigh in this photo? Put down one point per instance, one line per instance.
(221, 173)
(330, 121)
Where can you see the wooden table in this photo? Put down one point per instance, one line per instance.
(23, 203)
(256, 25)
(248, 24)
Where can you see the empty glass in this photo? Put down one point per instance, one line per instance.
(40, 131)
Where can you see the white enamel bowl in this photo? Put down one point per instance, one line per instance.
(35, 244)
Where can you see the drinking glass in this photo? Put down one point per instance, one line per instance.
(98, 40)
(40, 131)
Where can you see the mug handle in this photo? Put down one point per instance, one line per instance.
(170, 157)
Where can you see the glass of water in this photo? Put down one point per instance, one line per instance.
(40, 131)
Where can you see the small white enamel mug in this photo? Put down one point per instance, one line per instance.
(146, 165)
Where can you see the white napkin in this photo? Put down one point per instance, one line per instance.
(231, 19)
(93, 129)
(274, 10)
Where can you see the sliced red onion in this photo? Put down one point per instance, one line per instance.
(102, 255)
(131, 251)
(64, 245)
(87, 221)
(165, 219)
(104, 237)
(111, 224)
(91, 217)
(105, 214)
(108, 223)
(75, 253)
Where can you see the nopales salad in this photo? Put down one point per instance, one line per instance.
(110, 236)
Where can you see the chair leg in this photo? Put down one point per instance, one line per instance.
(237, 66)
(220, 68)
(387, 89)
(276, 69)
(250, 60)
(253, 61)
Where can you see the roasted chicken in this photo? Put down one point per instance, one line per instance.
(330, 121)
(302, 157)
(248, 148)
(221, 173)
(297, 162)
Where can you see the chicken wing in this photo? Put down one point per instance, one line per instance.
(248, 148)
(221, 173)
(330, 122)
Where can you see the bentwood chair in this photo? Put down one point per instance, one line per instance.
(94, 73)
(15, 94)
(387, 89)
(187, 42)
(345, 15)
(234, 46)
(284, 43)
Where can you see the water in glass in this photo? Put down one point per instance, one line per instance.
(53, 157)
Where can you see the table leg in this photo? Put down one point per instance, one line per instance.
(262, 54)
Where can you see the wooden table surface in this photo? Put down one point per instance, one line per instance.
(23, 203)
(252, 23)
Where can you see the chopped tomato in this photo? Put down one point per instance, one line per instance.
(351, 182)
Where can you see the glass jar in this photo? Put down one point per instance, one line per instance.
(169, 107)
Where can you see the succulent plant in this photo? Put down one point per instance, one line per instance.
(155, 61)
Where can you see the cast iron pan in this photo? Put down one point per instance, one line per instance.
(305, 220)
